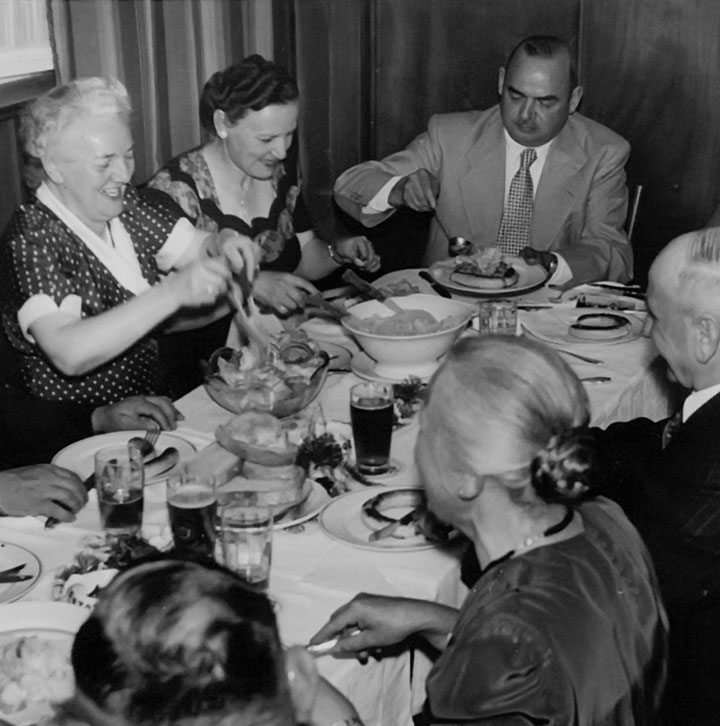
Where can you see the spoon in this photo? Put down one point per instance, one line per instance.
(456, 245)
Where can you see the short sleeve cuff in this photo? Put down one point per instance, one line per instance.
(40, 305)
(183, 236)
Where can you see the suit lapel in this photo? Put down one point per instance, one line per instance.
(484, 179)
(555, 194)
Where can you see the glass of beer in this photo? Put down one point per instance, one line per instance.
(192, 505)
(246, 539)
(119, 481)
(371, 416)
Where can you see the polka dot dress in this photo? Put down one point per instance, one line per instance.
(39, 254)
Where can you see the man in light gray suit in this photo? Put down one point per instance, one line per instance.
(464, 165)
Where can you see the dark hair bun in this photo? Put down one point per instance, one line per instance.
(565, 471)
(249, 85)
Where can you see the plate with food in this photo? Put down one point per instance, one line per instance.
(18, 564)
(79, 456)
(35, 672)
(489, 273)
(307, 510)
(580, 326)
(356, 518)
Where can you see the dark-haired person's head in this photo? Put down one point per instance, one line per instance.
(252, 107)
(510, 410)
(538, 89)
(187, 644)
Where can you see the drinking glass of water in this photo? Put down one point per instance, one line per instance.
(246, 539)
(119, 481)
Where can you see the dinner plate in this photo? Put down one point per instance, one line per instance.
(341, 520)
(79, 456)
(49, 621)
(530, 277)
(12, 555)
(363, 366)
(310, 508)
(553, 326)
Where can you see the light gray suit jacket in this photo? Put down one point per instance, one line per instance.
(580, 203)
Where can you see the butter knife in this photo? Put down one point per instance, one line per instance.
(434, 284)
(14, 577)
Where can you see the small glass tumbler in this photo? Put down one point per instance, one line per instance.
(497, 316)
(192, 506)
(371, 416)
(246, 539)
(119, 481)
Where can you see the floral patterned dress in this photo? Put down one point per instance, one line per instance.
(186, 184)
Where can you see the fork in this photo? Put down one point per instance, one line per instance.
(146, 444)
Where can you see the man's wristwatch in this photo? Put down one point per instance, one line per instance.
(553, 264)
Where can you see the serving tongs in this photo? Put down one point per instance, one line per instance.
(246, 314)
(325, 308)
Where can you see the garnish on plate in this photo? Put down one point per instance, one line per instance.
(325, 455)
(409, 398)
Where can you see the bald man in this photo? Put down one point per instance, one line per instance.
(666, 474)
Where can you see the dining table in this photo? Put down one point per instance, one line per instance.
(313, 572)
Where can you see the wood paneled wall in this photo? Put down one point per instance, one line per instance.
(373, 71)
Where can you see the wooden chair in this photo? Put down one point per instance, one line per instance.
(632, 212)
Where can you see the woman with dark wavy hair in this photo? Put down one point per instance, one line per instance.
(563, 623)
(187, 644)
(246, 177)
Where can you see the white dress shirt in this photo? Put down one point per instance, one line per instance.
(697, 399)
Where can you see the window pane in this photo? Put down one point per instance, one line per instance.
(24, 38)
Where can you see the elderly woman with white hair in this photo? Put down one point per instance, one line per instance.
(563, 623)
(80, 266)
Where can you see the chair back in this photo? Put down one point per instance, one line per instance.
(633, 211)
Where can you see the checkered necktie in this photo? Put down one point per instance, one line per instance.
(514, 231)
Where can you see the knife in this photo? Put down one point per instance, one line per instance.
(13, 570)
(389, 530)
(16, 577)
(434, 284)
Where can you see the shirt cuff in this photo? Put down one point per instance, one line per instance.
(562, 273)
(183, 235)
(40, 305)
(379, 203)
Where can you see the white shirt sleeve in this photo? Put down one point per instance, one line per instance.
(40, 305)
(183, 235)
(379, 203)
(562, 273)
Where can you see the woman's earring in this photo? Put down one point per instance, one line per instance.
(222, 134)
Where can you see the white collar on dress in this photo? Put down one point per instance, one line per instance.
(119, 258)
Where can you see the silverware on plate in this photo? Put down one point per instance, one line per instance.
(434, 284)
(6, 579)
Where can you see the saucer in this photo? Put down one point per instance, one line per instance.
(363, 366)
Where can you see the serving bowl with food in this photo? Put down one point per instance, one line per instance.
(412, 341)
(282, 383)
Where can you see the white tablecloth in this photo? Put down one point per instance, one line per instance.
(312, 574)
